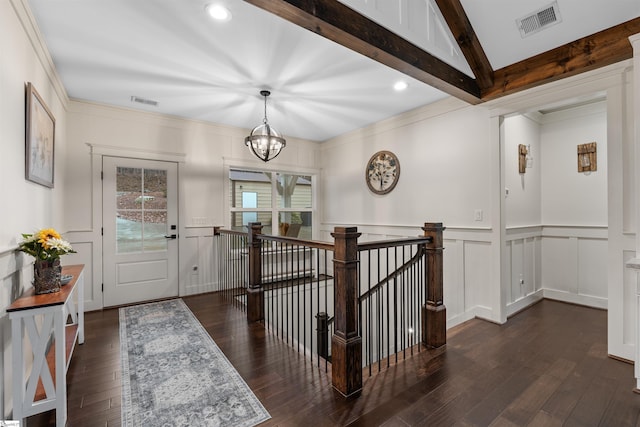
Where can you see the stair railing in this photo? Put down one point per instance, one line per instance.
(390, 302)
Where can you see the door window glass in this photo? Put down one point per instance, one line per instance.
(141, 216)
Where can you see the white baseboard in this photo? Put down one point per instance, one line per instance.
(524, 302)
(486, 313)
(202, 288)
(460, 318)
(586, 300)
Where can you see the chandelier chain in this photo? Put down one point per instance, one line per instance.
(265, 110)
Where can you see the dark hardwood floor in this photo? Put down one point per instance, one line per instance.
(547, 366)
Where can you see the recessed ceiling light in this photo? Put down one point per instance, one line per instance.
(218, 12)
(400, 86)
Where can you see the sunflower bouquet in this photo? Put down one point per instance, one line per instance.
(45, 245)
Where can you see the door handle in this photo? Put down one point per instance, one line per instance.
(171, 236)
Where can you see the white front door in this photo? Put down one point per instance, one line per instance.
(140, 228)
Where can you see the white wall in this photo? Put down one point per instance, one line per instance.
(204, 152)
(574, 207)
(523, 204)
(570, 197)
(557, 217)
(26, 205)
(205, 148)
(523, 211)
(445, 159)
(622, 115)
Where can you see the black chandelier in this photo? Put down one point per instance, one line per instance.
(265, 142)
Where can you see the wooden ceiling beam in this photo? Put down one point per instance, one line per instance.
(588, 53)
(337, 22)
(463, 32)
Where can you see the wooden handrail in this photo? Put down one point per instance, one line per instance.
(381, 244)
(281, 239)
(219, 230)
(295, 241)
(419, 254)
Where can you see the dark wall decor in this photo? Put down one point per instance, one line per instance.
(39, 139)
(587, 157)
(522, 158)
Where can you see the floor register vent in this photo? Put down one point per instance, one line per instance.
(539, 20)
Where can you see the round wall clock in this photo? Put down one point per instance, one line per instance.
(382, 173)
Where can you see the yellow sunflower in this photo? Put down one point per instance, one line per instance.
(45, 234)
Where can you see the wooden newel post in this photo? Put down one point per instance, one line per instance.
(434, 313)
(346, 344)
(255, 293)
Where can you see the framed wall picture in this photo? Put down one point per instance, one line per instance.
(39, 140)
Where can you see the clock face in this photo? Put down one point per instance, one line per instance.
(382, 173)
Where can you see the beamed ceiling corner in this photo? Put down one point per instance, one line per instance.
(339, 23)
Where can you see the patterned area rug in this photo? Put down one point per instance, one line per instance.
(174, 374)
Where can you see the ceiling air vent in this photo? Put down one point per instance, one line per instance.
(144, 101)
(539, 20)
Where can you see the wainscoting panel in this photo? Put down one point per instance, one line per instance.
(560, 264)
(592, 267)
(453, 277)
(11, 286)
(199, 271)
(83, 255)
(533, 269)
(516, 290)
(524, 252)
(629, 307)
(89, 254)
(574, 265)
(563, 263)
(16, 274)
(477, 277)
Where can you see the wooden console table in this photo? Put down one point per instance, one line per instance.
(52, 323)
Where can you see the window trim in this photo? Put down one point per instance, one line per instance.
(230, 164)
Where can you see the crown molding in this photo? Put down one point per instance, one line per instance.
(30, 26)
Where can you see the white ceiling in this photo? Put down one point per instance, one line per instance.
(494, 23)
(172, 52)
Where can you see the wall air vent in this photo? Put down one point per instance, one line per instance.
(144, 101)
(539, 20)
